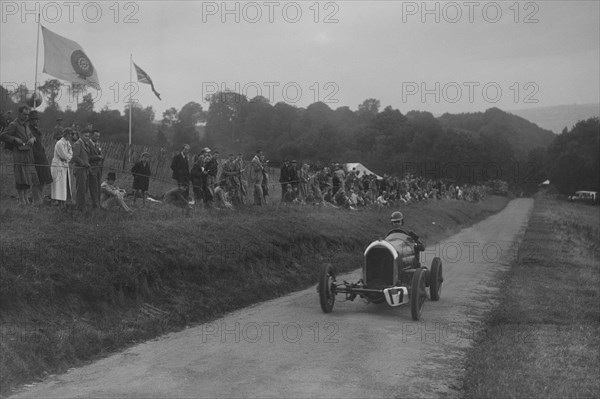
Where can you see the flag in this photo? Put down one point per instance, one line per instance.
(144, 78)
(64, 59)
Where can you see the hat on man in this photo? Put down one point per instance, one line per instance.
(205, 150)
(59, 119)
(145, 154)
(111, 176)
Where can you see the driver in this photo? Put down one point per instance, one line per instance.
(397, 221)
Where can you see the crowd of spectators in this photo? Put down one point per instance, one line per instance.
(204, 179)
(335, 185)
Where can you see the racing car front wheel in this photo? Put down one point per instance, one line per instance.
(435, 279)
(417, 293)
(326, 288)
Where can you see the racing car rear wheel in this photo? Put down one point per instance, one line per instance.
(435, 279)
(326, 288)
(418, 293)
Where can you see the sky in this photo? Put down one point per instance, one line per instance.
(464, 56)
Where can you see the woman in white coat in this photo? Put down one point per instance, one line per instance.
(62, 184)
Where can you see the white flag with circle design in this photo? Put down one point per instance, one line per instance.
(65, 59)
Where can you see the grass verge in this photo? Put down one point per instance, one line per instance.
(75, 286)
(542, 339)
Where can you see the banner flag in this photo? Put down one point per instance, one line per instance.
(144, 78)
(64, 59)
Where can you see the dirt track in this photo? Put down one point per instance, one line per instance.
(287, 348)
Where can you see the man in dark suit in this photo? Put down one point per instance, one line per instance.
(81, 163)
(181, 169)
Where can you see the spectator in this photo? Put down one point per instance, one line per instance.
(284, 177)
(141, 177)
(181, 168)
(265, 181)
(81, 164)
(96, 159)
(197, 178)
(256, 177)
(112, 195)
(221, 199)
(57, 132)
(62, 179)
(39, 157)
(212, 169)
(18, 137)
(176, 197)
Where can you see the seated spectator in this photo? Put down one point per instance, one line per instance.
(112, 195)
(290, 195)
(382, 200)
(221, 200)
(177, 196)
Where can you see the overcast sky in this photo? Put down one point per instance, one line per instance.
(444, 57)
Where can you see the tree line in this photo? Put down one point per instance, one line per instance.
(465, 148)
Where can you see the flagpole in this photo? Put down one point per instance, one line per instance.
(37, 52)
(130, 93)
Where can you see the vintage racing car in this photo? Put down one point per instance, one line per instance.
(391, 273)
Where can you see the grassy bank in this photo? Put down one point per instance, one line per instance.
(543, 338)
(75, 286)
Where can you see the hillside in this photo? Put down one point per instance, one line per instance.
(521, 134)
(558, 117)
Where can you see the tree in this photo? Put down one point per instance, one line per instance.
(574, 159)
(51, 89)
(368, 109)
(226, 117)
(186, 129)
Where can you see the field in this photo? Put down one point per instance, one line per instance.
(78, 285)
(543, 338)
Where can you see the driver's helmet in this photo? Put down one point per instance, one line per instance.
(397, 219)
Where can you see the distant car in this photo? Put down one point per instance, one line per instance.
(391, 273)
(587, 197)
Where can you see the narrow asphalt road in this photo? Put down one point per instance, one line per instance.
(287, 348)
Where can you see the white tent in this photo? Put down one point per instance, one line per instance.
(361, 168)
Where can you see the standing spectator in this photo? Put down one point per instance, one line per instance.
(293, 176)
(338, 178)
(212, 169)
(19, 138)
(81, 164)
(284, 177)
(304, 179)
(141, 177)
(39, 156)
(181, 168)
(95, 175)
(57, 132)
(265, 181)
(62, 179)
(112, 195)
(197, 177)
(256, 177)
(231, 173)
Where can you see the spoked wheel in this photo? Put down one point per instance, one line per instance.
(435, 279)
(327, 288)
(418, 293)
